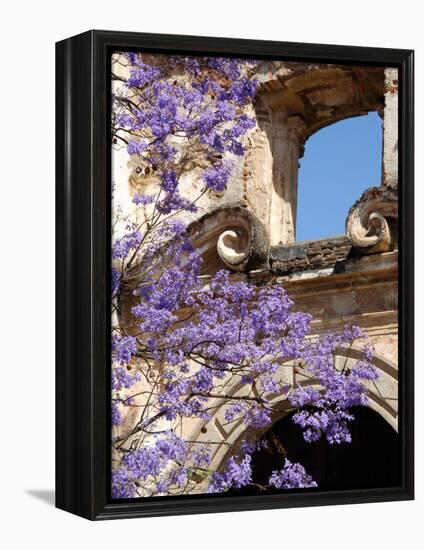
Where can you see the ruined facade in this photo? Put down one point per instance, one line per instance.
(250, 228)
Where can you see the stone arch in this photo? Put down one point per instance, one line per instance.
(382, 398)
(296, 100)
(321, 95)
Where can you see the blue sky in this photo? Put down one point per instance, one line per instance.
(340, 162)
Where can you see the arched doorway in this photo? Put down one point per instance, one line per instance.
(371, 460)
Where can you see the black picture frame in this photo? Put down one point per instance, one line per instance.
(83, 260)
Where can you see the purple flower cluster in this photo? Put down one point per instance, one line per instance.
(166, 463)
(292, 476)
(142, 74)
(136, 147)
(327, 411)
(122, 378)
(143, 200)
(252, 415)
(216, 177)
(116, 414)
(151, 460)
(126, 244)
(123, 484)
(235, 474)
(115, 281)
(123, 348)
(198, 100)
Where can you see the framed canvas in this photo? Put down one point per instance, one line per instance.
(234, 275)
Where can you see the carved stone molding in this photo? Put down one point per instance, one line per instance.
(371, 222)
(232, 236)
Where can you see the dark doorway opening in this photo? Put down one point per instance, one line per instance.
(371, 460)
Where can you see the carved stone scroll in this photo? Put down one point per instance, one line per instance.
(232, 236)
(368, 224)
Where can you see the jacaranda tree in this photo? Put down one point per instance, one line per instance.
(185, 341)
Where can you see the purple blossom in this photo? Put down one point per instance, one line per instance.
(327, 411)
(139, 198)
(122, 378)
(142, 75)
(126, 244)
(216, 177)
(116, 415)
(143, 463)
(171, 446)
(123, 348)
(115, 281)
(235, 474)
(304, 396)
(252, 446)
(292, 476)
(123, 486)
(201, 456)
(136, 147)
(252, 414)
(169, 181)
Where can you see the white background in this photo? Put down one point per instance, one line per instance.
(29, 31)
